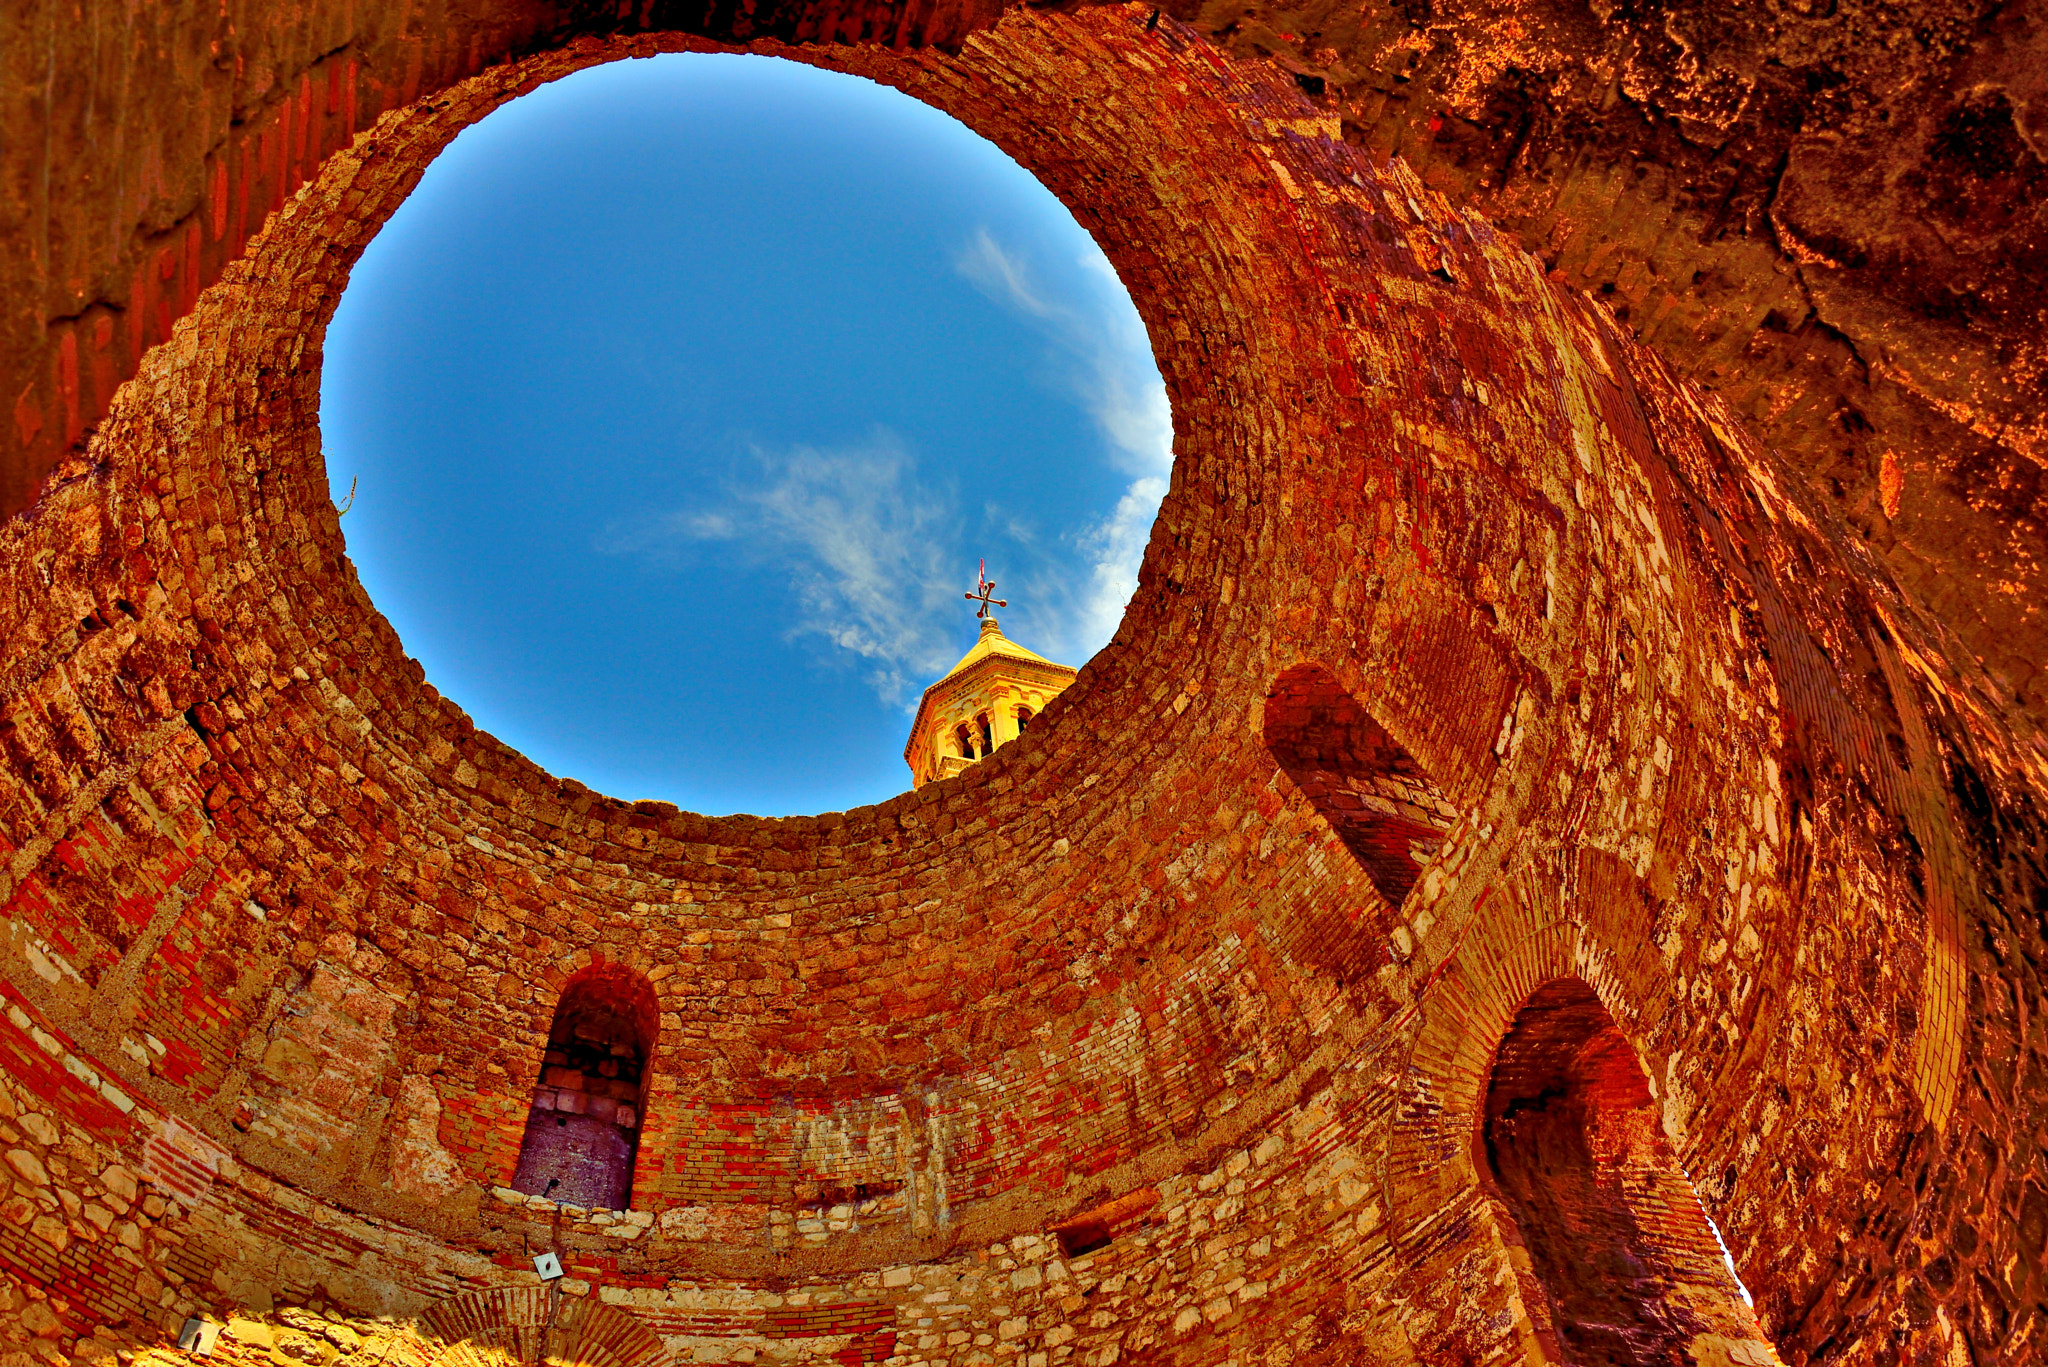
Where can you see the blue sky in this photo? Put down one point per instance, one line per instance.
(683, 396)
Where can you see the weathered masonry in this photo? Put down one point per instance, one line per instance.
(1514, 823)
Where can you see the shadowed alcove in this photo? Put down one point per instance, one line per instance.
(1389, 813)
(584, 1129)
(1619, 1245)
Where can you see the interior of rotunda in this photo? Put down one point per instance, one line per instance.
(1567, 789)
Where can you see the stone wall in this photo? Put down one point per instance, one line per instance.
(1829, 211)
(1834, 213)
(284, 934)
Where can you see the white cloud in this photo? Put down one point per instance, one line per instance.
(863, 541)
(1115, 547)
(1128, 399)
(875, 555)
(708, 527)
(999, 275)
(1106, 356)
(1106, 360)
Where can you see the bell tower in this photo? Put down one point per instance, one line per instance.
(982, 703)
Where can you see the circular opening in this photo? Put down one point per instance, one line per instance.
(681, 400)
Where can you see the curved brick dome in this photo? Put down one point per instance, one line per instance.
(1508, 793)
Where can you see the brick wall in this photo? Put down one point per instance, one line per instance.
(286, 934)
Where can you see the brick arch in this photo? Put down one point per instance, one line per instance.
(645, 976)
(1437, 1210)
(629, 980)
(487, 1129)
(1620, 1257)
(1478, 1053)
(537, 1325)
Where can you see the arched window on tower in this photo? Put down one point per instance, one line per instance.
(1629, 1267)
(1023, 719)
(965, 741)
(988, 735)
(584, 1128)
(1388, 812)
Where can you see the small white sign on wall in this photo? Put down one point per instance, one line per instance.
(549, 1265)
(198, 1336)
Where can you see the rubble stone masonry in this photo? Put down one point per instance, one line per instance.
(1125, 1044)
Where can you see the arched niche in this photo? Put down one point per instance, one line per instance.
(1629, 1269)
(535, 1324)
(583, 1131)
(1388, 812)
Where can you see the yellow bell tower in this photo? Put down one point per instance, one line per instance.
(982, 703)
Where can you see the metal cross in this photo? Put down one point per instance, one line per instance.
(983, 587)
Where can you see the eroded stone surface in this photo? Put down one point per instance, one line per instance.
(1834, 214)
(1829, 211)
